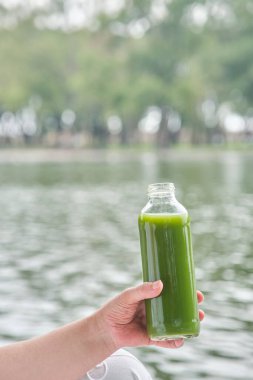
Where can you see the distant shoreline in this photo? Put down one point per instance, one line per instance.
(47, 155)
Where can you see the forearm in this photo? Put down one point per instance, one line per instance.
(64, 354)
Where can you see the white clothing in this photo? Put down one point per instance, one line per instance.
(119, 366)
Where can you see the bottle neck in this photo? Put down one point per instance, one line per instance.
(161, 192)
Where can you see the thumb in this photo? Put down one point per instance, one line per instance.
(141, 292)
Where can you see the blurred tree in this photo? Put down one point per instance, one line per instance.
(170, 54)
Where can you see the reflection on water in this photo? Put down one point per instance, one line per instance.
(69, 241)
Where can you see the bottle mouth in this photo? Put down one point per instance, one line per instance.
(161, 189)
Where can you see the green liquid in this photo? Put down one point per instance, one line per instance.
(167, 255)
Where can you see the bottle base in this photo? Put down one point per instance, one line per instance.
(173, 337)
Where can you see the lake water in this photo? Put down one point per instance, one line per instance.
(69, 241)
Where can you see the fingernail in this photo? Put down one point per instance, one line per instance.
(156, 284)
(179, 342)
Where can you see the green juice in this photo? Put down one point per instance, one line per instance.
(166, 251)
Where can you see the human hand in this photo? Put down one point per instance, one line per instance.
(124, 317)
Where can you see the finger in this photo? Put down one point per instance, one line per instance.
(140, 315)
(141, 292)
(168, 343)
(201, 315)
(141, 310)
(200, 296)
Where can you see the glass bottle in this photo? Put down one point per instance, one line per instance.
(166, 250)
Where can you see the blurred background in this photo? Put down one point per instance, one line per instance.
(79, 73)
(97, 100)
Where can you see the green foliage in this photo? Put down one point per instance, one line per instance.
(176, 64)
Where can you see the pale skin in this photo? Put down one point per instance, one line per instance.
(69, 352)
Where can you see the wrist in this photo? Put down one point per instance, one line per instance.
(104, 331)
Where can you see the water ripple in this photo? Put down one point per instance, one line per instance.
(69, 241)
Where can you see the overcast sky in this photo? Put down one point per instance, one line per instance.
(109, 5)
(78, 13)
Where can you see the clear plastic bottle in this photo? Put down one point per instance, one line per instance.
(166, 250)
